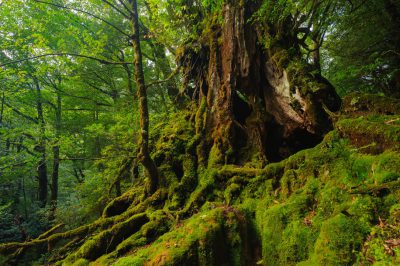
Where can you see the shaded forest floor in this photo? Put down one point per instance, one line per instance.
(335, 204)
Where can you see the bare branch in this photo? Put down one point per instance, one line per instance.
(174, 73)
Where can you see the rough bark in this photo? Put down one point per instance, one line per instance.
(261, 101)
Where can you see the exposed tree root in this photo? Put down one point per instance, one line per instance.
(120, 204)
(20, 251)
(82, 231)
(107, 240)
(66, 249)
(377, 189)
(281, 200)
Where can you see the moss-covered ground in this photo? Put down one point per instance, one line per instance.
(335, 204)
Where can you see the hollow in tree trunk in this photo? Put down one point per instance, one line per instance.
(259, 102)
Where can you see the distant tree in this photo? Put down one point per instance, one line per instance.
(362, 51)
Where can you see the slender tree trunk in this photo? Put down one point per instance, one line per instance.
(41, 148)
(7, 147)
(56, 155)
(2, 109)
(25, 200)
(144, 154)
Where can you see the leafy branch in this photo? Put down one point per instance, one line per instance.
(102, 61)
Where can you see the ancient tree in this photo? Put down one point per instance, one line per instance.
(259, 97)
(257, 100)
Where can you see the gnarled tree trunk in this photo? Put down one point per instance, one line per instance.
(262, 102)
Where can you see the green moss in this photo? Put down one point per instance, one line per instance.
(107, 240)
(80, 262)
(300, 78)
(298, 238)
(284, 234)
(122, 203)
(187, 183)
(306, 209)
(199, 241)
(201, 116)
(216, 157)
(355, 104)
(371, 134)
(338, 242)
(205, 191)
(334, 204)
(280, 58)
(290, 182)
(170, 138)
(363, 209)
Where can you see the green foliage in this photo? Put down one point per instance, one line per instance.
(334, 204)
(356, 57)
(213, 6)
(276, 10)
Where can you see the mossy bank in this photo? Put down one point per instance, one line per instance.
(335, 204)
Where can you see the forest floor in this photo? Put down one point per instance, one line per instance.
(335, 204)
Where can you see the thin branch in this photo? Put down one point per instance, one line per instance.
(174, 73)
(87, 158)
(15, 165)
(84, 12)
(84, 109)
(56, 88)
(391, 51)
(126, 7)
(102, 61)
(34, 120)
(355, 8)
(116, 8)
(99, 89)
